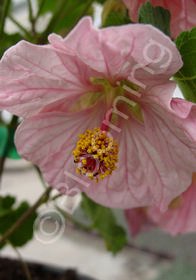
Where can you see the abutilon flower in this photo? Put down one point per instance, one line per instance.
(182, 12)
(111, 87)
(178, 219)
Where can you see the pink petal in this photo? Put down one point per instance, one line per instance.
(165, 181)
(34, 76)
(48, 140)
(143, 58)
(171, 128)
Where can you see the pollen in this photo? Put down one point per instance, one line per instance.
(96, 154)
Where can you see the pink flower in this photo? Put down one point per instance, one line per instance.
(182, 12)
(73, 84)
(179, 219)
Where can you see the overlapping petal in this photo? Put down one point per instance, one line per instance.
(136, 52)
(70, 43)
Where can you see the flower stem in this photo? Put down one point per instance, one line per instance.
(5, 10)
(72, 220)
(43, 198)
(40, 176)
(40, 9)
(31, 18)
(28, 35)
(30, 10)
(55, 197)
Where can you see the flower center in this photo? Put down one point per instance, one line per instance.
(96, 154)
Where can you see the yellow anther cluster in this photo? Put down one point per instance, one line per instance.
(96, 154)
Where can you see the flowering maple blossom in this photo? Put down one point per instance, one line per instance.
(179, 219)
(67, 88)
(182, 12)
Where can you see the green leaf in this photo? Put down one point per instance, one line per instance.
(186, 76)
(7, 40)
(104, 222)
(179, 271)
(157, 16)
(6, 204)
(9, 215)
(116, 18)
(7, 142)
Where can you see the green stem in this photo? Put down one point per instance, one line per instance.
(55, 197)
(72, 220)
(28, 35)
(1, 8)
(40, 176)
(5, 10)
(43, 198)
(31, 17)
(30, 10)
(25, 266)
(40, 9)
